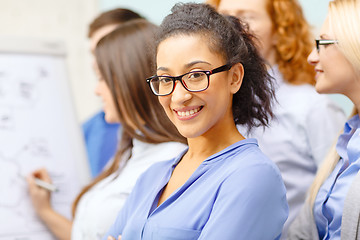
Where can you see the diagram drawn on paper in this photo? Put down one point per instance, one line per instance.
(38, 129)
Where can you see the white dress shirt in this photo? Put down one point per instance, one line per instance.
(305, 126)
(98, 208)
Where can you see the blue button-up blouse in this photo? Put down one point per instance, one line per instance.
(237, 193)
(329, 202)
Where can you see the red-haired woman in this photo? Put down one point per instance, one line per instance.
(305, 123)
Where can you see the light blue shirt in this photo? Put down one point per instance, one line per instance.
(329, 202)
(101, 139)
(299, 137)
(237, 193)
(99, 207)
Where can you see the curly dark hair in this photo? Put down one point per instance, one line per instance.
(229, 37)
(294, 40)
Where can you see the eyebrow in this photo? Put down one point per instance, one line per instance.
(324, 36)
(240, 11)
(245, 11)
(188, 65)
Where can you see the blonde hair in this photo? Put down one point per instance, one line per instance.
(294, 40)
(328, 165)
(347, 13)
(344, 20)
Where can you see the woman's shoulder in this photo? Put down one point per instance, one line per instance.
(302, 101)
(159, 169)
(157, 151)
(304, 97)
(169, 150)
(246, 156)
(249, 171)
(170, 146)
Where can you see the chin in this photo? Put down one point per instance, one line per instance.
(189, 132)
(323, 89)
(320, 89)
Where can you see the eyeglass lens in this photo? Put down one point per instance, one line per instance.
(319, 42)
(192, 81)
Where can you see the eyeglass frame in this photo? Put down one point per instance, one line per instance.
(319, 42)
(222, 68)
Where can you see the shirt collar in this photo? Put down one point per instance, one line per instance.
(217, 155)
(342, 145)
(352, 123)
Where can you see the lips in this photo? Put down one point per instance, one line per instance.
(318, 72)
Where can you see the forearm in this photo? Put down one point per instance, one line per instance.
(59, 225)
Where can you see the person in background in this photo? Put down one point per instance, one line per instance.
(209, 77)
(332, 208)
(101, 137)
(123, 60)
(305, 122)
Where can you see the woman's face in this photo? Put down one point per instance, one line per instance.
(102, 90)
(195, 113)
(255, 14)
(334, 73)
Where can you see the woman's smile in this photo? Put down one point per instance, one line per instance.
(188, 112)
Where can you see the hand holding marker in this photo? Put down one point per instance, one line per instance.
(40, 189)
(42, 179)
(48, 186)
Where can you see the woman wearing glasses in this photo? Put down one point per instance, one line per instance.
(305, 122)
(147, 134)
(209, 77)
(332, 209)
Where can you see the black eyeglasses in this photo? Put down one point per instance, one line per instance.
(195, 81)
(319, 42)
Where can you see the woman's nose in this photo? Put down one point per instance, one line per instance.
(180, 94)
(313, 57)
(97, 89)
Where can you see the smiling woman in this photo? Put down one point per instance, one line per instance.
(223, 186)
(305, 122)
(332, 209)
(334, 73)
(148, 136)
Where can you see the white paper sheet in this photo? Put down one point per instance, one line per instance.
(38, 128)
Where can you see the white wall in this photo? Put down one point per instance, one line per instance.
(154, 11)
(315, 12)
(65, 20)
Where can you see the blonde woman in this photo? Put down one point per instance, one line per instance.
(332, 209)
(306, 122)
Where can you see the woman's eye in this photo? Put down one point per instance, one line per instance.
(247, 17)
(195, 75)
(165, 79)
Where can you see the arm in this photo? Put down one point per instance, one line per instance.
(250, 204)
(118, 226)
(303, 227)
(57, 224)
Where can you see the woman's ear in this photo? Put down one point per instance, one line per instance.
(237, 76)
